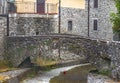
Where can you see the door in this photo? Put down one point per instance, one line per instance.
(41, 6)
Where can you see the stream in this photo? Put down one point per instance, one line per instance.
(70, 74)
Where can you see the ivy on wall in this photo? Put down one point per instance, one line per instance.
(115, 18)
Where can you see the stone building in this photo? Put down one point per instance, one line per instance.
(3, 6)
(74, 19)
(100, 24)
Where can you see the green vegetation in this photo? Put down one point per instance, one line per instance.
(5, 66)
(115, 18)
(30, 47)
(47, 42)
(105, 72)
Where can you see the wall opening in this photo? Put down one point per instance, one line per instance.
(95, 3)
(95, 25)
(70, 25)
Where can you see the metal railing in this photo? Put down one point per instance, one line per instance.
(33, 7)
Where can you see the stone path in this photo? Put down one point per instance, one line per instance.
(44, 77)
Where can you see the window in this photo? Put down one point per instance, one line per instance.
(37, 33)
(95, 3)
(70, 25)
(95, 25)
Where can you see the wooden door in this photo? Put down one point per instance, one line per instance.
(41, 6)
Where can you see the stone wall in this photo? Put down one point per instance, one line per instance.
(102, 14)
(31, 24)
(2, 36)
(103, 54)
(1, 42)
(78, 18)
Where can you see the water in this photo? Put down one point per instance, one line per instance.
(75, 75)
(70, 74)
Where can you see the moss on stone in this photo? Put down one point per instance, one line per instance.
(105, 72)
(5, 64)
(47, 42)
(31, 47)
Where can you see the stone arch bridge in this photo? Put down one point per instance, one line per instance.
(103, 54)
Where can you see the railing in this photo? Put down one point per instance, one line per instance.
(33, 7)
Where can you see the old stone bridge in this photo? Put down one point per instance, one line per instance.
(103, 54)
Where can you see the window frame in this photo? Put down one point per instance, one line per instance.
(95, 24)
(95, 3)
(70, 25)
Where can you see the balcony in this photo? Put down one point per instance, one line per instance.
(32, 8)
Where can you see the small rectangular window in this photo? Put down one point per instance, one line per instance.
(37, 33)
(70, 25)
(95, 3)
(95, 24)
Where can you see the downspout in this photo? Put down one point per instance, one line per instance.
(88, 18)
(59, 24)
(59, 27)
(7, 24)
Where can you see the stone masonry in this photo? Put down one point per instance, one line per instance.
(28, 24)
(102, 15)
(78, 18)
(2, 35)
(31, 24)
(103, 54)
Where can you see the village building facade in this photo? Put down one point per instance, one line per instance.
(80, 17)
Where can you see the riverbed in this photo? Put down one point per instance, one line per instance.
(76, 75)
(70, 74)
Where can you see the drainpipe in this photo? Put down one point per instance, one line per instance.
(7, 24)
(88, 18)
(59, 17)
(59, 27)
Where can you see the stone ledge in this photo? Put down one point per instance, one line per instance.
(34, 15)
